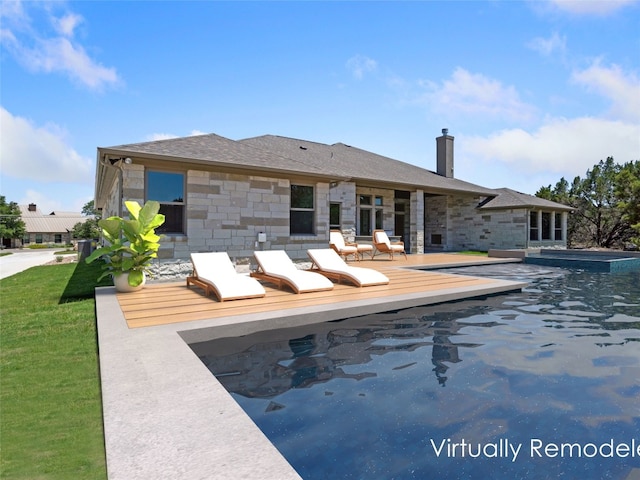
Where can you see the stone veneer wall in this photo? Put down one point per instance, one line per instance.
(344, 193)
(225, 212)
(435, 222)
(474, 229)
(417, 217)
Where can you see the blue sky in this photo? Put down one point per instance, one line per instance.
(531, 90)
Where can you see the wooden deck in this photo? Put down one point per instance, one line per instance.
(168, 303)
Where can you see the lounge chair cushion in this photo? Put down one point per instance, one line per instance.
(216, 270)
(329, 262)
(277, 265)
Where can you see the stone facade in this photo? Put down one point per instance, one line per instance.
(227, 212)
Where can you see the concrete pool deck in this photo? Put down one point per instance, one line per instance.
(167, 417)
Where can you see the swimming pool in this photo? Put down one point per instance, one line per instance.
(543, 383)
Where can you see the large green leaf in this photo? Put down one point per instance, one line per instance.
(111, 227)
(133, 207)
(148, 213)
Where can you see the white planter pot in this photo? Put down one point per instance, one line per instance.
(121, 283)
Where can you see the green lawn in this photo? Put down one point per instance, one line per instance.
(50, 408)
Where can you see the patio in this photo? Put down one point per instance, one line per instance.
(166, 416)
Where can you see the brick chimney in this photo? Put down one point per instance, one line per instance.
(32, 207)
(444, 154)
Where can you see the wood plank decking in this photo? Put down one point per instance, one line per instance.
(161, 304)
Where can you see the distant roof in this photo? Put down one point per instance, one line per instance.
(508, 198)
(55, 222)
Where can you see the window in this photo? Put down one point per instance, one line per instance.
(38, 238)
(302, 217)
(558, 227)
(533, 226)
(546, 226)
(365, 221)
(370, 216)
(334, 216)
(168, 189)
(58, 238)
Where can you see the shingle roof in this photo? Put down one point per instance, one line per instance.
(289, 155)
(215, 150)
(508, 198)
(272, 153)
(345, 161)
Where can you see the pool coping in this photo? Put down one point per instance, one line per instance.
(160, 401)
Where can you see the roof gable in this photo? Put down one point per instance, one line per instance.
(508, 198)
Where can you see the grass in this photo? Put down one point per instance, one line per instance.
(50, 407)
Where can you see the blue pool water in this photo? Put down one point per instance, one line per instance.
(543, 383)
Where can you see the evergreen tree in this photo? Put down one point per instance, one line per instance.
(11, 224)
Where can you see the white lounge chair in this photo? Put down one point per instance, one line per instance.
(276, 267)
(344, 249)
(383, 245)
(214, 273)
(329, 263)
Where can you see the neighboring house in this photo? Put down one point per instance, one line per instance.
(55, 227)
(274, 192)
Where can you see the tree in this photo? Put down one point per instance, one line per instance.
(598, 219)
(628, 193)
(11, 224)
(89, 228)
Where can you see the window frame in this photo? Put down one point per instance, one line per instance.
(183, 204)
(296, 211)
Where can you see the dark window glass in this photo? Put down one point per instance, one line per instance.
(533, 225)
(173, 218)
(334, 215)
(302, 214)
(168, 189)
(301, 196)
(165, 187)
(558, 226)
(365, 221)
(546, 226)
(365, 199)
(379, 219)
(301, 222)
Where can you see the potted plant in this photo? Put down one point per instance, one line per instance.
(133, 243)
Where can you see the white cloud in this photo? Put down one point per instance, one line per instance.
(159, 136)
(565, 147)
(548, 46)
(591, 7)
(67, 24)
(475, 94)
(167, 136)
(48, 52)
(39, 153)
(358, 65)
(611, 82)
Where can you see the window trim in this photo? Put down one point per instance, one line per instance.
(183, 204)
(311, 210)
